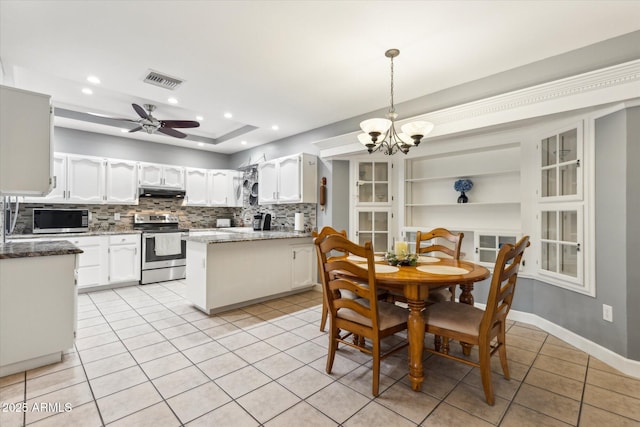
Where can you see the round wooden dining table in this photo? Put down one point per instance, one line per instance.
(414, 284)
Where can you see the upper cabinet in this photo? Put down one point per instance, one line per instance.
(213, 187)
(26, 128)
(218, 187)
(164, 176)
(373, 183)
(91, 180)
(122, 182)
(291, 179)
(85, 179)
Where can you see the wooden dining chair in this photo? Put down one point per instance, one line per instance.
(365, 317)
(459, 321)
(438, 248)
(326, 231)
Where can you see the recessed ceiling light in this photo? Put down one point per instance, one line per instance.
(94, 80)
(228, 115)
(172, 101)
(124, 130)
(87, 91)
(200, 144)
(243, 142)
(275, 127)
(199, 118)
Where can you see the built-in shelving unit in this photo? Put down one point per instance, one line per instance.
(493, 210)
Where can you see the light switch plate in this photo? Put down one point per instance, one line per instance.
(116, 216)
(607, 312)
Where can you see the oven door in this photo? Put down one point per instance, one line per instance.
(151, 260)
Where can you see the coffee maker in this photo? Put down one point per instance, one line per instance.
(261, 222)
(257, 222)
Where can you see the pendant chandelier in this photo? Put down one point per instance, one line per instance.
(381, 135)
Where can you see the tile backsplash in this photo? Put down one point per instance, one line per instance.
(102, 216)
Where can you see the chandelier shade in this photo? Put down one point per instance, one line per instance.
(381, 135)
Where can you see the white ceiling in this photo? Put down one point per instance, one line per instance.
(297, 64)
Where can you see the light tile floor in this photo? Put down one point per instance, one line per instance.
(144, 356)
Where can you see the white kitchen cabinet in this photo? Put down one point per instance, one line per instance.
(196, 187)
(37, 311)
(85, 179)
(236, 179)
(268, 182)
(303, 266)
(121, 182)
(213, 187)
(162, 176)
(104, 259)
(290, 179)
(218, 187)
(90, 270)
(124, 258)
(26, 129)
(59, 190)
(218, 278)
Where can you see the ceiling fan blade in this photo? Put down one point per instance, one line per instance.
(140, 111)
(179, 124)
(135, 129)
(171, 132)
(104, 116)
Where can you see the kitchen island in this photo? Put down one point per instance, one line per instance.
(37, 303)
(231, 269)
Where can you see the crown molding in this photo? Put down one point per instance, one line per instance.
(616, 83)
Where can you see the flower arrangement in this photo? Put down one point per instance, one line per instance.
(463, 185)
(393, 259)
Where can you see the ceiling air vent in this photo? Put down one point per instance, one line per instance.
(162, 80)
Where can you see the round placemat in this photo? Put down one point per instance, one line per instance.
(423, 258)
(382, 268)
(356, 258)
(441, 269)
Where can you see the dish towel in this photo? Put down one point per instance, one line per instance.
(168, 244)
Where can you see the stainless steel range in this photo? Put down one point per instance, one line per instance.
(164, 249)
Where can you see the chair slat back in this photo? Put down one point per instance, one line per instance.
(503, 284)
(327, 231)
(443, 233)
(339, 274)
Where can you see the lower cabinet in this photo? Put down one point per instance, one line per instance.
(303, 266)
(124, 258)
(37, 311)
(227, 275)
(105, 259)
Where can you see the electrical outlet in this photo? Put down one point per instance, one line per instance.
(607, 312)
(116, 216)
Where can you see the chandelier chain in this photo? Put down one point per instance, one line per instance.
(393, 108)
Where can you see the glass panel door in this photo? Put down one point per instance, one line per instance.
(373, 225)
(373, 183)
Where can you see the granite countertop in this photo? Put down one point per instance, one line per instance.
(35, 249)
(247, 236)
(58, 235)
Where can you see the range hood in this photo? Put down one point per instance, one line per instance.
(161, 192)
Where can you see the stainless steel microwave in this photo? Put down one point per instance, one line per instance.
(60, 220)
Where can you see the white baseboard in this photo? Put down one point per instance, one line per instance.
(624, 365)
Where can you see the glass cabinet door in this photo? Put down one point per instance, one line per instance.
(560, 242)
(560, 162)
(488, 246)
(373, 226)
(373, 182)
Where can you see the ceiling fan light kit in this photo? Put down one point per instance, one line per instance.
(381, 135)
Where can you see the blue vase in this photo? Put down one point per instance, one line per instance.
(463, 198)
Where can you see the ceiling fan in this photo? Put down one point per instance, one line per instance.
(150, 124)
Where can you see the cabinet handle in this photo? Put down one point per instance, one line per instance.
(55, 181)
(294, 254)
